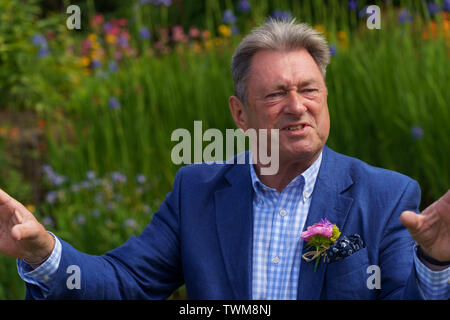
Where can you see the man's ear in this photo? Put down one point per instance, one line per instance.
(238, 112)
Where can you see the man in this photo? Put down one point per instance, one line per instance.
(229, 232)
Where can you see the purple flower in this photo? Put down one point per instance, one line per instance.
(405, 16)
(107, 27)
(123, 41)
(417, 132)
(433, 8)
(281, 15)
(113, 103)
(228, 17)
(90, 175)
(48, 221)
(144, 33)
(140, 178)
(118, 177)
(80, 220)
(234, 30)
(112, 66)
(39, 40)
(446, 5)
(96, 64)
(352, 5)
(333, 50)
(43, 52)
(51, 197)
(130, 223)
(243, 6)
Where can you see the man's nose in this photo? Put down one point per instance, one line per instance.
(295, 103)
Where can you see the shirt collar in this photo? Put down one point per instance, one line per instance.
(308, 177)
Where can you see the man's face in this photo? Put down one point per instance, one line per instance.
(286, 91)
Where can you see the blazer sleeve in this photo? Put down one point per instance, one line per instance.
(399, 280)
(147, 266)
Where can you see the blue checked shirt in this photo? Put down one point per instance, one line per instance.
(278, 221)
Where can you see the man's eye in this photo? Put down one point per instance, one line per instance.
(274, 95)
(309, 90)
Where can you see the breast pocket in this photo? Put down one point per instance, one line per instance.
(347, 278)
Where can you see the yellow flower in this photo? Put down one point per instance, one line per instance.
(320, 28)
(196, 46)
(111, 38)
(92, 37)
(209, 45)
(224, 30)
(30, 208)
(85, 61)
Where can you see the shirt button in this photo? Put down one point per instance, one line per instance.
(283, 212)
(46, 278)
(307, 194)
(276, 260)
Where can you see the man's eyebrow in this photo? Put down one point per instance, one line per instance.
(302, 83)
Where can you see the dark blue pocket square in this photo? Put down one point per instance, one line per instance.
(344, 247)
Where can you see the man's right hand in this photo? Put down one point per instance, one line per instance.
(21, 235)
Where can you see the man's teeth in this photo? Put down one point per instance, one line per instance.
(299, 127)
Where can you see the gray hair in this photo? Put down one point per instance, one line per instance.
(279, 36)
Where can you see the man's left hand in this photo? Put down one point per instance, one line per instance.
(431, 228)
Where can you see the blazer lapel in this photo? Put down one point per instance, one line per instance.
(234, 220)
(327, 202)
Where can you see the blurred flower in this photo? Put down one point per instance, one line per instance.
(97, 19)
(281, 15)
(243, 6)
(112, 66)
(224, 30)
(118, 177)
(417, 132)
(48, 222)
(91, 175)
(333, 50)
(194, 32)
(352, 5)
(51, 197)
(140, 178)
(228, 17)
(130, 223)
(85, 61)
(446, 5)
(144, 33)
(178, 34)
(96, 64)
(111, 38)
(146, 208)
(234, 30)
(113, 103)
(92, 37)
(206, 34)
(405, 16)
(30, 208)
(43, 52)
(123, 39)
(39, 40)
(80, 220)
(433, 8)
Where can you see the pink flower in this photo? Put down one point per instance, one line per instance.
(322, 228)
(97, 19)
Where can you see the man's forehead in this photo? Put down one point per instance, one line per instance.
(278, 68)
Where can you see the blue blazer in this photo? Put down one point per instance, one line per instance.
(202, 236)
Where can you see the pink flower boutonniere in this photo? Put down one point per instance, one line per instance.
(319, 236)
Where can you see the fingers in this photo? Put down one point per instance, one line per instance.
(22, 231)
(4, 197)
(411, 220)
